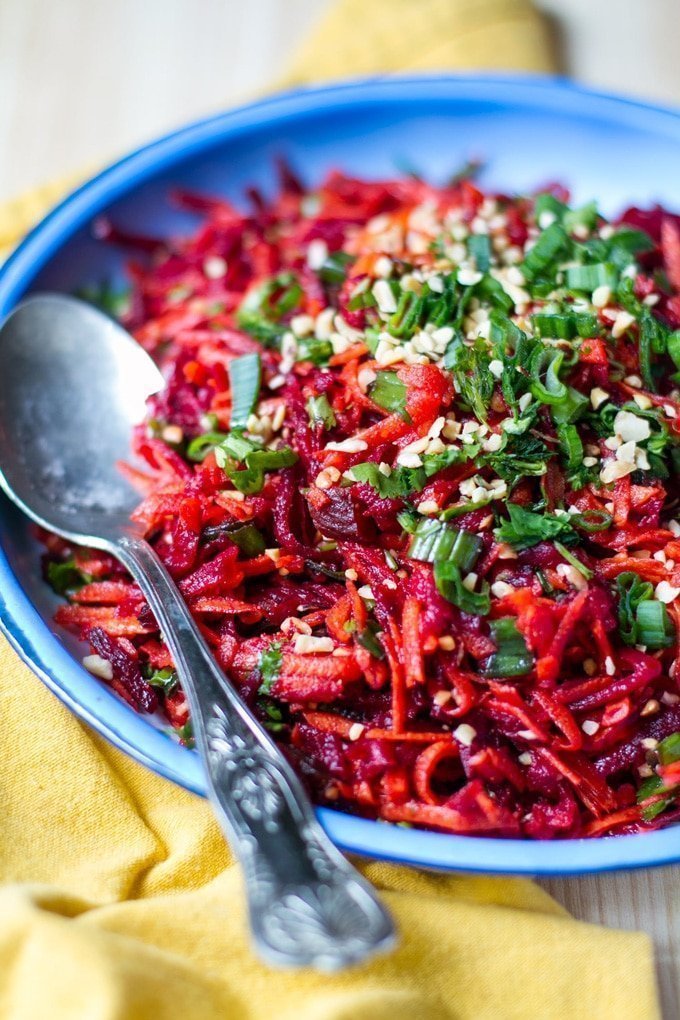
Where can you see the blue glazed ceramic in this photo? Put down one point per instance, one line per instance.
(528, 131)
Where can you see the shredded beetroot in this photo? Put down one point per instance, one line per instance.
(499, 370)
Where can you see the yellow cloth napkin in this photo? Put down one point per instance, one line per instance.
(120, 900)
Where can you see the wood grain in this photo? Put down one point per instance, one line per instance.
(82, 81)
(647, 901)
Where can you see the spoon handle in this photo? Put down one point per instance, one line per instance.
(308, 906)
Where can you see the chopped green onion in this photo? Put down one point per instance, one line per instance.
(435, 541)
(571, 447)
(575, 562)
(334, 268)
(669, 749)
(570, 408)
(236, 445)
(546, 202)
(320, 412)
(364, 299)
(546, 362)
(368, 639)
(311, 349)
(249, 539)
(263, 307)
(491, 290)
(460, 509)
(512, 657)
(449, 583)
(244, 375)
(479, 248)
(631, 592)
(592, 520)
(653, 625)
(589, 278)
(565, 326)
(586, 216)
(403, 321)
(551, 243)
(199, 448)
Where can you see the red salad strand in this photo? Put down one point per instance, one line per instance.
(415, 473)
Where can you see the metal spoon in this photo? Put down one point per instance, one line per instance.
(72, 385)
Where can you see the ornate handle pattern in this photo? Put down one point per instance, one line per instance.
(308, 906)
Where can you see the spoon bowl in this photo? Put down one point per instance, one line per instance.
(73, 383)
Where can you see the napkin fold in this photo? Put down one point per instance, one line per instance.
(119, 898)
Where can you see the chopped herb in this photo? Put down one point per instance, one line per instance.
(232, 449)
(66, 577)
(668, 752)
(186, 734)
(164, 680)
(521, 455)
(269, 667)
(525, 528)
(389, 392)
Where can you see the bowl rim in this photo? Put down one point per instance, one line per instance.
(41, 649)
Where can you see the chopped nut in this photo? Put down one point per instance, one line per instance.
(630, 427)
(465, 734)
(327, 478)
(666, 592)
(98, 666)
(597, 397)
(348, 446)
(215, 267)
(306, 644)
(601, 296)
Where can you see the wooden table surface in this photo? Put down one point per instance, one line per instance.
(83, 80)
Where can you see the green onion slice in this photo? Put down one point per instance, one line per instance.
(245, 374)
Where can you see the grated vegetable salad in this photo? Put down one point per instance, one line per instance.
(414, 471)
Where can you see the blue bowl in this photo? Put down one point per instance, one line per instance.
(529, 131)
